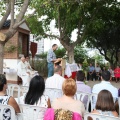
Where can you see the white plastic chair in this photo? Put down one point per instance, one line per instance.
(84, 97)
(99, 117)
(93, 100)
(13, 116)
(23, 90)
(53, 93)
(11, 89)
(31, 112)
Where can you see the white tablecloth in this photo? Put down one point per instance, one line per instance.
(9, 71)
(70, 68)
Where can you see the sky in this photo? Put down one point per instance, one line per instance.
(48, 43)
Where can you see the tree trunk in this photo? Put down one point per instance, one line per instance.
(118, 55)
(70, 55)
(1, 57)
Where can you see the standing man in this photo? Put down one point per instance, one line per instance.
(51, 58)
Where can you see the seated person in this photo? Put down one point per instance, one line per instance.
(28, 63)
(6, 99)
(81, 85)
(91, 72)
(97, 72)
(56, 80)
(105, 104)
(35, 94)
(67, 101)
(105, 85)
(111, 70)
(117, 73)
(29, 68)
(23, 73)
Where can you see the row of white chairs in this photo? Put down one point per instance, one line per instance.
(56, 93)
(29, 112)
(99, 117)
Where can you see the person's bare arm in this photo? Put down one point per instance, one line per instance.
(115, 114)
(14, 104)
(48, 103)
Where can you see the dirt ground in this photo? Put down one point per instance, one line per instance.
(92, 83)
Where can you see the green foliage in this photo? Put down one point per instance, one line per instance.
(92, 17)
(103, 32)
(60, 52)
(10, 48)
(41, 67)
(68, 15)
(85, 65)
(80, 54)
(41, 56)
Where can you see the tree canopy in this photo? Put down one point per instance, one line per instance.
(8, 8)
(68, 15)
(105, 36)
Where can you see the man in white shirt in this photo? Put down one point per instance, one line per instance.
(28, 63)
(29, 68)
(56, 80)
(105, 85)
(23, 73)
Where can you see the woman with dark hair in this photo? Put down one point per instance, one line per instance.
(35, 95)
(105, 104)
(6, 99)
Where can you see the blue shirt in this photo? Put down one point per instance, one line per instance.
(50, 56)
(91, 68)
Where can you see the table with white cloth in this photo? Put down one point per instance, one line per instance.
(10, 73)
(71, 70)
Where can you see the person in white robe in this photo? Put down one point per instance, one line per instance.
(29, 68)
(23, 73)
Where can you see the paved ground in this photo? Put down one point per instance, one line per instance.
(92, 83)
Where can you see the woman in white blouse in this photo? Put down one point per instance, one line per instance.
(35, 95)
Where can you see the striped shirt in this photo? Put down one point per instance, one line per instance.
(50, 56)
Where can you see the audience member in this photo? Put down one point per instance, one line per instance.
(35, 94)
(112, 73)
(117, 73)
(91, 72)
(105, 84)
(79, 68)
(23, 73)
(97, 72)
(56, 80)
(105, 104)
(6, 99)
(81, 85)
(29, 68)
(28, 63)
(104, 68)
(67, 101)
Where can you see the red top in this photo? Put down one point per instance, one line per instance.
(117, 72)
